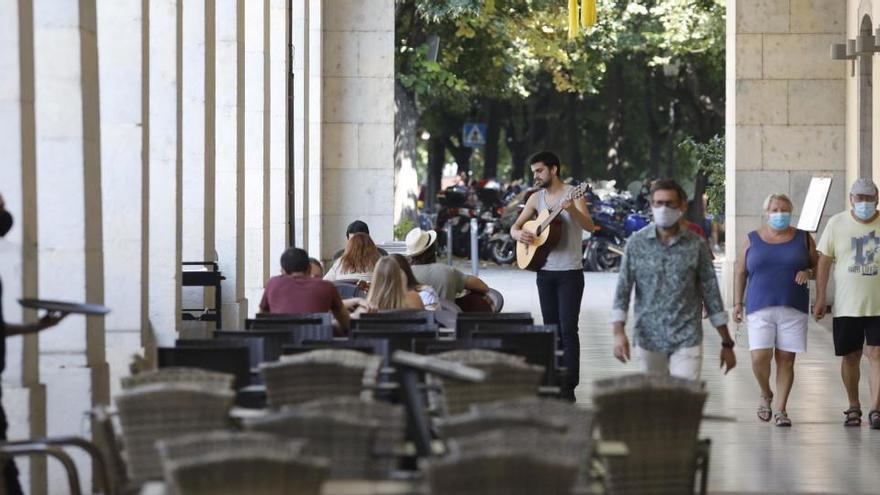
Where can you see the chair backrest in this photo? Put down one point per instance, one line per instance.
(347, 441)
(366, 346)
(401, 316)
(465, 323)
(275, 339)
(195, 376)
(496, 472)
(250, 471)
(437, 346)
(404, 339)
(349, 289)
(663, 444)
(473, 422)
(155, 412)
(536, 343)
(205, 443)
(234, 359)
(265, 321)
(318, 374)
(106, 440)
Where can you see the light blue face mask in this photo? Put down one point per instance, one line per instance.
(864, 210)
(779, 220)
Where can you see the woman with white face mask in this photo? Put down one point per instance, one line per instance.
(774, 266)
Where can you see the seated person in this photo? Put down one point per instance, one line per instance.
(316, 269)
(357, 262)
(356, 227)
(426, 293)
(446, 280)
(294, 291)
(388, 290)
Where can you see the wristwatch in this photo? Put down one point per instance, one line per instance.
(728, 344)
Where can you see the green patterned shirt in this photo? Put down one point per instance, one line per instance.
(671, 282)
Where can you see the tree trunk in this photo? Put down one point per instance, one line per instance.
(406, 182)
(613, 159)
(493, 130)
(461, 154)
(573, 141)
(436, 159)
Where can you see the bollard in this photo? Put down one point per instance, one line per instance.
(475, 254)
(449, 242)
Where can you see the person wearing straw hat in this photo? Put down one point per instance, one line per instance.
(851, 242)
(446, 280)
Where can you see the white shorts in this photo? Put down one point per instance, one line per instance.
(779, 327)
(683, 363)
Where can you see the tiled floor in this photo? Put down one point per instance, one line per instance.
(817, 455)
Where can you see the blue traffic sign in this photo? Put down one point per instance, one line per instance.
(474, 135)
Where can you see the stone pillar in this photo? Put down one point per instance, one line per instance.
(119, 52)
(69, 201)
(300, 66)
(164, 204)
(358, 118)
(255, 200)
(192, 79)
(229, 238)
(24, 397)
(278, 23)
(788, 110)
(862, 17)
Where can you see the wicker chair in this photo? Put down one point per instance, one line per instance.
(500, 472)
(508, 377)
(194, 376)
(658, 418)
(155, 412)
(319, 374)
(475, 422)
(201, 444)
(347, 441)
(251, 471)
(391, 431)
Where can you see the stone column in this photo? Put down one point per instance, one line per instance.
(164, 205)
(255, 200)
(278, 23)
(192, 79)
(786, 119)
(119, 52)
(69, 201)
(229, 238)
(358, 118)
(24, 397)
(300, 66)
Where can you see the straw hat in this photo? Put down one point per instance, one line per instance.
(418, 240)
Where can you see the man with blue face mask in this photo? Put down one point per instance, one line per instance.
(851, 242)
(8, 471)
(671, 270)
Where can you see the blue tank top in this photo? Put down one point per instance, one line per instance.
(771, 271)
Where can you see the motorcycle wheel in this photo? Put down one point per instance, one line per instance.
(503, 252)
(603, 259)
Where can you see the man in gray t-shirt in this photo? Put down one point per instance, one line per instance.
(447, 281)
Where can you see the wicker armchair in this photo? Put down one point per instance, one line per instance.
(508, 377)
(194, 376)
(500, 472)
(347, 441)
(658, 418)
(391, 431)
(249, 470)
(319, 374)
(201, 444)
(475, 422)
(155, 412)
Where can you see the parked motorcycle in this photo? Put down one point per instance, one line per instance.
(616, 218)
(502, 247)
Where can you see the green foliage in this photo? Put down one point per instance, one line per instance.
(708, 157)
(403, 227)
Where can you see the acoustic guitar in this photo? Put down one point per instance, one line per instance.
(547, 229)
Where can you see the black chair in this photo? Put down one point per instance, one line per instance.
(396, 339)
(348, 290)
(372, 347)
(279, 321)
(536, 343)
(271, 342)
(291, 335)
(466, 323)
(428, 347)
(223, 357)
(402, 316)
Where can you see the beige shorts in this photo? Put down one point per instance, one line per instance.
(682, 363)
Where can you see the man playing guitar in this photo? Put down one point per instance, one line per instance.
(561, 280)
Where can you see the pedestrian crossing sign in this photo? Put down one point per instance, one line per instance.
(474, 135)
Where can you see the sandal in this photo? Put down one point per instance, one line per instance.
(764, 411)
(853, 416)
(874, 419)
(781, 419)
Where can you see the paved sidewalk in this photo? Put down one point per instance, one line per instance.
(816, 455)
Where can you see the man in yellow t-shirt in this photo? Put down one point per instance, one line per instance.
(851, 241)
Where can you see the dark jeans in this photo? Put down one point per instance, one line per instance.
(560, 294)
(10, 472)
